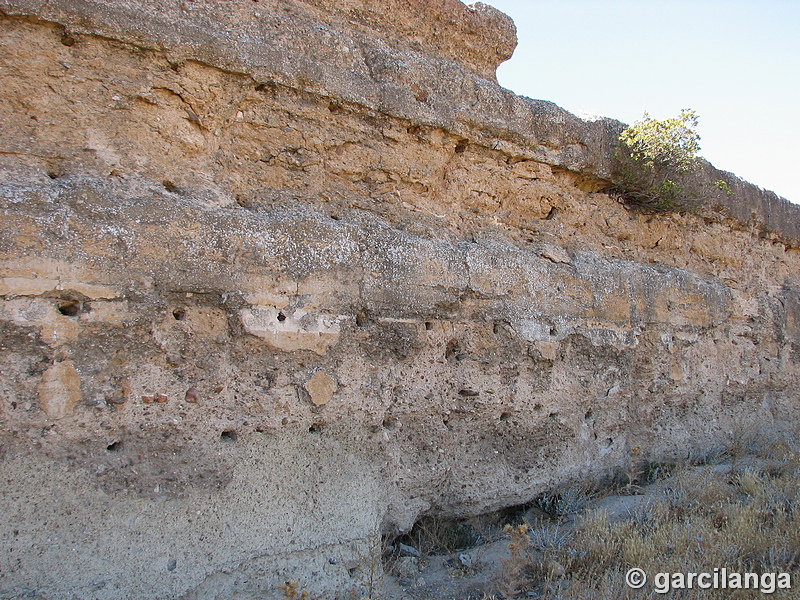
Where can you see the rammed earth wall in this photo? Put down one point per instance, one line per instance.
(280, 276)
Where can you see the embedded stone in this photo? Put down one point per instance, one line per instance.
(321, 388)
(555, 254)
(59, 390)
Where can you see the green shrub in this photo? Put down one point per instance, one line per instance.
(671, 143)
(654, 159)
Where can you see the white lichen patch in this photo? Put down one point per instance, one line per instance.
(291, 330)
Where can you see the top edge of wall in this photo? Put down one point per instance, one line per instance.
(431, 62)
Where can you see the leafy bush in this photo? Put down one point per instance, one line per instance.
(654, 159)
(671, 143)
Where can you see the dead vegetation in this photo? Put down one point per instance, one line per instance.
(739, 511)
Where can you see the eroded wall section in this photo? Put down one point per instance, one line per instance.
(254, 314)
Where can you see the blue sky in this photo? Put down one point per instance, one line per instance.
(736, 62)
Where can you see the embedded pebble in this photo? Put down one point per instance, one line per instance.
(320, 388)
(408, 551)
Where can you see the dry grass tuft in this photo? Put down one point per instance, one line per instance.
(699, 518)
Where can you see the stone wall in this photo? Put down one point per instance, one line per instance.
(281, 276)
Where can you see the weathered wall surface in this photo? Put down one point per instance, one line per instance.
(277, 276)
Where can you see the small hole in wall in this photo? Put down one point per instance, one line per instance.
(179, 314)
(588, 415)
(114, 447)
(267, 86)
(363, 318)
(68, 40)
(69, 308)
(316, 428)
(169, 186)
(53, 174)
(505, 416)
(428, 325)
(352, 571)
(281, 317)
(452, 348)
(229, 436)
(461, 146)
